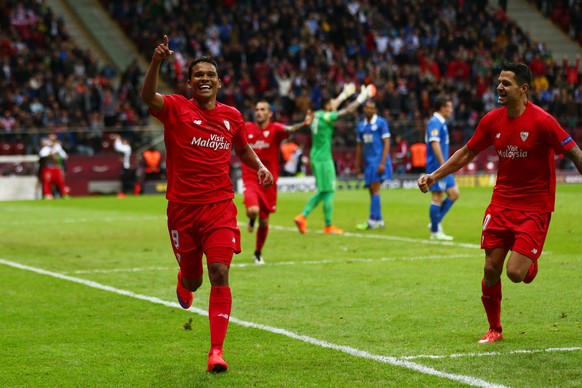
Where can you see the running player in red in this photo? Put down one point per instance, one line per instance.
(199, 134)
(526, 139)
(265, 138)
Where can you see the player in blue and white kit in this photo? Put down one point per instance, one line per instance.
(373, 136)
(437, 153)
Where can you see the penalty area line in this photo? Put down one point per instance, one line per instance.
(395, 361)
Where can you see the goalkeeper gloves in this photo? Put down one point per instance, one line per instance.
(348, 90)
(363, 96)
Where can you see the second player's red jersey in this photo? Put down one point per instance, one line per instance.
(198, 147)
(526, 146)
(266, 143)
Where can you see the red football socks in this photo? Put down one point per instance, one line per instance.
(219, 314)
(261, 237)
(491, 299)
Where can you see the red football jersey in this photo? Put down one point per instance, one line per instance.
(198, 147)
(526, 146)
(266, 144)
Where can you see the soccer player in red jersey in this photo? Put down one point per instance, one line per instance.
(199, 134)
(264, 137)
(526, 139)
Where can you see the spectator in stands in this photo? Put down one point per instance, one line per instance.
(401, 160)
(571, 71)
(123, 147)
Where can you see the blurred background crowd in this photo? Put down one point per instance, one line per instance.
(292, 53)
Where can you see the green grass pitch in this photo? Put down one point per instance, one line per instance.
(88, 299)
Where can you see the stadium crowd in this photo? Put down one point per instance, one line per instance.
(295, 52)
(49, 85)
(567, 14)
(290, 52)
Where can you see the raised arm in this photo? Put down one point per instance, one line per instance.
(348, 90)
(149, 93)
(306, 122)
(459, 160)
(365, 93)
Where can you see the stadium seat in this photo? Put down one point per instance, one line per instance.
(107, 142)
(5, 148)
(18, 148)
(457, 136)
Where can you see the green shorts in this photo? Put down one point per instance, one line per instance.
(324, 173)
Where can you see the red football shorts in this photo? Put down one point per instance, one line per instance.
(196, 228)
(53, 175)
(264, 198)
(520, 231)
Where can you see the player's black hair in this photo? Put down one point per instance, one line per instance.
(440, 101)
(521, 71)
(324, 102)
(206, 59)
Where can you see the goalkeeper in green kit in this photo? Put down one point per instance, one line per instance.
(321, 158)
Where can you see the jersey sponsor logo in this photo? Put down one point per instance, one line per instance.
(260, 144)
(215, 142)
(197, 122)
(523, 135)
(512, 152)
(566, 140)
(227, 125)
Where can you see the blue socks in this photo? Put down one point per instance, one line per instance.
(445, 207)
(375, 208)
(438, 212)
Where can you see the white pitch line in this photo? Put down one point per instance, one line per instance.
(469, 380)
(119, 270)
(281, 263)
(483, 354)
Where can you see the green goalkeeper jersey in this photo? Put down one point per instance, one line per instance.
(322, 133)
